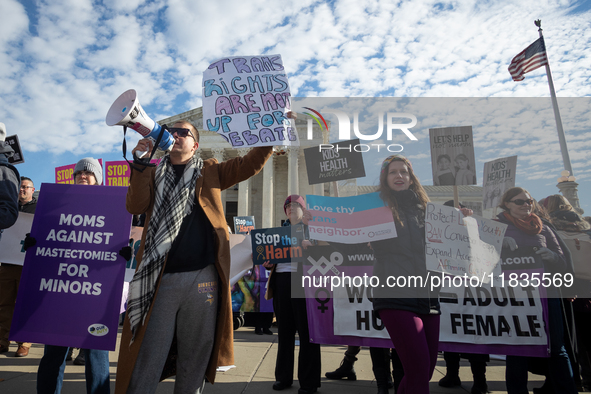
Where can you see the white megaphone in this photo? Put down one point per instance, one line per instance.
(127, 111)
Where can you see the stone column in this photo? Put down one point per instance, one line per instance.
(292, 170)
(268, 188)
(243, 190)
(218, 154)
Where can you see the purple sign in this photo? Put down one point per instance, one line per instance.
(72, 280)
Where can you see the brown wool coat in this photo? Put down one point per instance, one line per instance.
(215, 177)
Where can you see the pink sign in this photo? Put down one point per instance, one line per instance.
(117, 172)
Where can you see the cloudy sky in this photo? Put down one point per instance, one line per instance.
(65, 61)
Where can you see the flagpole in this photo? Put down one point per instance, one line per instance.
(561, 137)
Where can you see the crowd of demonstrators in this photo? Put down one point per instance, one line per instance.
(174, 327)
(50, 375)
(179, 305)
(292, 316)
(526, 230)
(10, 276)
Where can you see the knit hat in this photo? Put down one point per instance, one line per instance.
(92, 165)
(294, 198)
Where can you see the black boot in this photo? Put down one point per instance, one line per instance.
(346, 370)
(397, 370)
(452, 376)
(380, 361)
(381, 375)
(478, 368)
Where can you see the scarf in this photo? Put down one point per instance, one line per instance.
(531, 225)
(171, 204)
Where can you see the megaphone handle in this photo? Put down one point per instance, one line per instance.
(139, 154)
(145, 163)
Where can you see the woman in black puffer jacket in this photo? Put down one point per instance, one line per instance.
(410, 313)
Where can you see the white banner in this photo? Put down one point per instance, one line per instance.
(354, 314)
(459, 245)
(11, 243)
(485, 315)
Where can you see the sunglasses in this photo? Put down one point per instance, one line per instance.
(519, 201)
(180, 132)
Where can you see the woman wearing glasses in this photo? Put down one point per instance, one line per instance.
(526, 230)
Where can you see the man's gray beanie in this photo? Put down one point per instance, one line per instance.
(92, 165)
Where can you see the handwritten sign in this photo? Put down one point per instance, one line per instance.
(334, 162)
(499, 175)
(243, 224)
(452, 156)
(245, 100)
(459, 245)
(352, 219)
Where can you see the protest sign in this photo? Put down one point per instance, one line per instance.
(452, 156)
(277, 244)
(17, 158)
(117, 172)
(347, 317)
(480, 319)
(499, 175)
(246, 99)
(352, 219)
(459, 245)
(506, 316)
(13, 238)
(327, 163)
(65, 174)
(243, 224)
(72, 280)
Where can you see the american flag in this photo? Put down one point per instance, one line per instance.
(532, 57)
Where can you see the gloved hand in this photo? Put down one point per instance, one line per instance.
(547, 255)
(125, 252)
(29, 241)
(510, 243)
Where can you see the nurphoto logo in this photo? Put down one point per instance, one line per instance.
(393, 124)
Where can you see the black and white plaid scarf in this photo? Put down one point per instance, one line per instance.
(172, 203)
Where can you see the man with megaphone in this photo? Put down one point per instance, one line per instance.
(179, 305)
